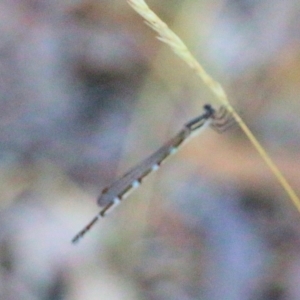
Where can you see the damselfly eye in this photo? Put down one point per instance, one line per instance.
(208, 107)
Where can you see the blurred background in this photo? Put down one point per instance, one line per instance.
(87, 91)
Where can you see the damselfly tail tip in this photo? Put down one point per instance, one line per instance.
(76, 239)
(79, 235)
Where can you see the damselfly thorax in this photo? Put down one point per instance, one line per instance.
(113, 195)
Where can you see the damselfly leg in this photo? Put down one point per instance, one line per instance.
(222, 120)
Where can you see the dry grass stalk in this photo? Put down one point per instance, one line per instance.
(166, 35)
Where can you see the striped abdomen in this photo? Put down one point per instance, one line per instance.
(122, 187)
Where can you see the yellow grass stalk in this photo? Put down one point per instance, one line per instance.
(166, 35)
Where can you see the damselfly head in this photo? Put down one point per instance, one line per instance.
(209, 109)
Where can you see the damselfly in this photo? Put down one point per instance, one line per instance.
(112, 195)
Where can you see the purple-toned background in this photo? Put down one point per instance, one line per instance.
(86, 92)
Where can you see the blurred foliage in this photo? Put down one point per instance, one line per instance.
(87, 91)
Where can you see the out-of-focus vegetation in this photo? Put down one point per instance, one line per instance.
(87, 91)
